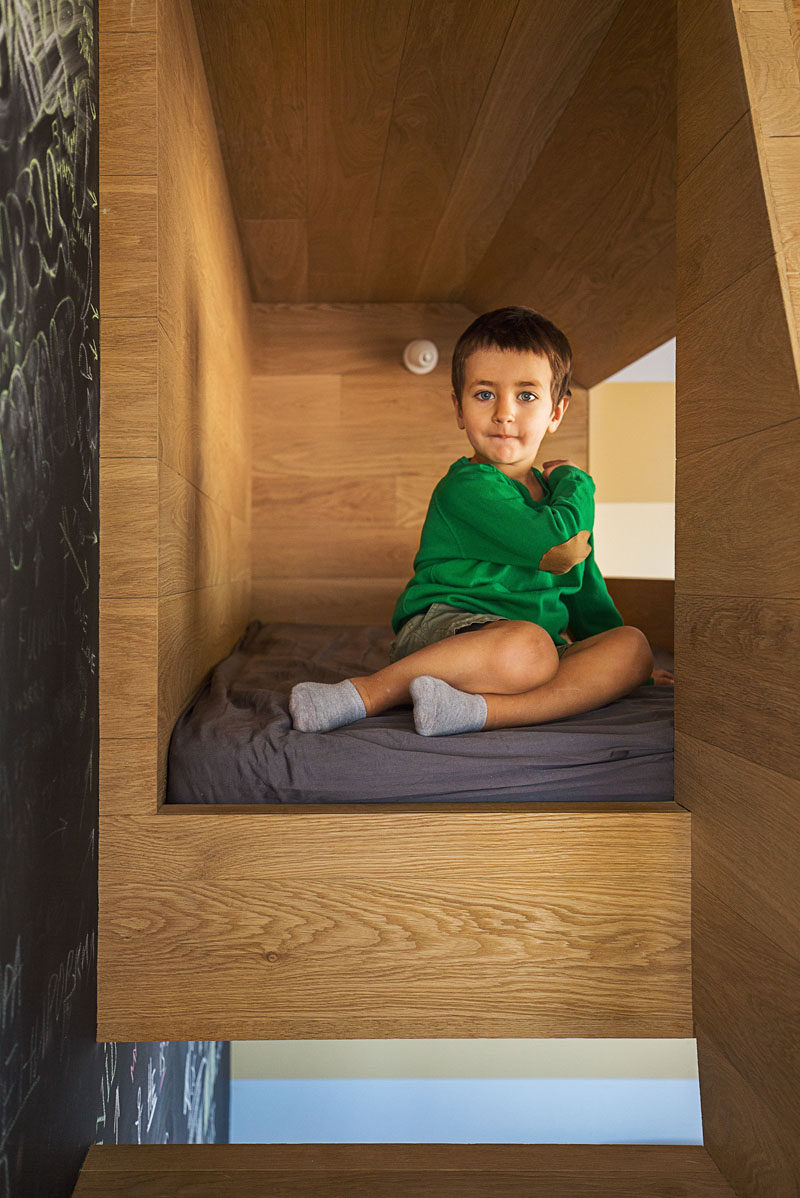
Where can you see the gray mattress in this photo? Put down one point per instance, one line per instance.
(235, 743)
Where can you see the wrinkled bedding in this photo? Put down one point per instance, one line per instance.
(234, 743)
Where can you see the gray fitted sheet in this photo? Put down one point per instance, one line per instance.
(235, 742)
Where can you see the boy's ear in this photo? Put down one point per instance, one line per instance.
(457, 406)
(558, 414)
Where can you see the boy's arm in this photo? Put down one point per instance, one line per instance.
(591, 609)
(491, 521)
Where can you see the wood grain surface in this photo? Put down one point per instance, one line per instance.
(742, 494)
(649, 604)
(128, 388)
(711, 102)
(123, 15)
(128, 776)
(724, 230)
(738, 589)
(403, 1171)
(725, 329)
(129, 554)
(403, 930)
(128, 87)
(129, 662)
(128, 235)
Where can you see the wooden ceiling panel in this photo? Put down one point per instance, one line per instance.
(598, 207)
(547, 51)
(255, 59)
(354, 55)
(451, 48)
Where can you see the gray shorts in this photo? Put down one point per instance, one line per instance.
(438, 622)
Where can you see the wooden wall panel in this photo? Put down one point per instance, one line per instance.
(738, 583)
(711, 102)
(128, 67)
(402, 1171)
(344, 460)
(590, 908)
(582, 247)
(128, 235)
(128, 388)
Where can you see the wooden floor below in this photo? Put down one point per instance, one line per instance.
(402, 1171)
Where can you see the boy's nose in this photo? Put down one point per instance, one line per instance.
(503, 412)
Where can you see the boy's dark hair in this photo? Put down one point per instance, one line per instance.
(515, 328)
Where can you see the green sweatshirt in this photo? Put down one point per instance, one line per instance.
(488, 546)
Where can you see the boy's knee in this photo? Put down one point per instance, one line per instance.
(525, 654)
(637, 647)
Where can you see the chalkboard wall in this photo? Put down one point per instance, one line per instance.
(59, 1090)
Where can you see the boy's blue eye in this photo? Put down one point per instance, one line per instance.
(527, 396)
(483, 395)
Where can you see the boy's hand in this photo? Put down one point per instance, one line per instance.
(547, 467)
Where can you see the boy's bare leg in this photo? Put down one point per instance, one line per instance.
(590, 674)
(508, 656)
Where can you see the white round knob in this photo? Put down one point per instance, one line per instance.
(420, 357)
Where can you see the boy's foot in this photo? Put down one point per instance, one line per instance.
(321, 706)
(441, 710)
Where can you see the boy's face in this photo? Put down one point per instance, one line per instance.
(506, 408)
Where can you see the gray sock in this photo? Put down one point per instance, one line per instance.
(320, 706)
(441, 710)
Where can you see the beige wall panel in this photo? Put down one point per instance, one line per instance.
(742, 495)
(711, 101)
(556, 45)
(373, 1170)
(632, 442)
(128, 777)
(724, 229)
(739, 693)
(128, 86)
(128, 388)
(743, 326)
(128, 235)
(433, 967)
(322, 600)
(348, 338)
(128, 657)
(744, 852)
(119, 16)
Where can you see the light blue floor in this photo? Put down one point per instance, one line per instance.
(459, 1111)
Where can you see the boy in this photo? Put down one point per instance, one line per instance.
(505, 566)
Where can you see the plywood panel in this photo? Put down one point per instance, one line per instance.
(128, 656)
(712, 409)
(739, 692)
(316, 600)
(349, 116)
(753, 509)
(745, 828)
(711, 102)
(774, 77)
(331, 339)
(740, 1132)
(260, 108)
(723, 226)
(539, 72)
(403, 1171)
(649, 604)
(128, 527)
(457, 47)
(196, 539)
(128, 777)
(123, 15)
(276, 252)
(128, 382)
(415, 951)
(128, 235)
(128, 103)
